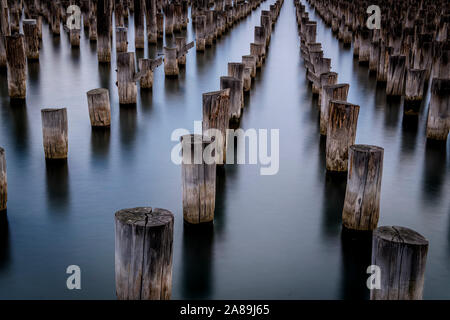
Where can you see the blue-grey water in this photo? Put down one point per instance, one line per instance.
(274, 237)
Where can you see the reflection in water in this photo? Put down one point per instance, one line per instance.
(197, 261)
(19, 117)
(333, 203)
(435, 169)
(392, 112)
(100, 138)
(75, 55)
(356, 257)
(33, 74)
(58, 194)
(146, 95)
(4, 241)
(410, 125)
(104, 70)
(221, 200)
(127, 123)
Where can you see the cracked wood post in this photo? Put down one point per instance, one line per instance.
(199, 180)
(150, 14)
(362, 197)
(341, 134)
(126, 83)
(266, 23)
(327, 78)
(121, 39)
(171, 68)
(331, 92)
(383, 64)
(17, 66)
(146, 68)
(5, 30)
(260, 38)
(3, 181)
(401, 254)
(250, 62)
(374, 56)
(143, 253)
(216, 115)
(54, 131)
(364, 46)
(235, 86)
(423, 54)
(99, 107)
(438, 122)
(415, 83)
(139, 33)
(159, 26)
(257, 50)
(31, 39)
(236, 70)
(200, 25)
(103, 31)
(396, 75)
(168, 21)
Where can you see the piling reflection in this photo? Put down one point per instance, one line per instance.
(127, 124)
(221, 200)
(58, 193)
(104, 71)
(434, 169)
(392, 113)
(410, 126)
(5, 255)
(197, 261)
(19, 125)
(333, 203)
(356, 257)
(100, 140)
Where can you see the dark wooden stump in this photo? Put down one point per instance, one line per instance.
(200, 25)
(104, 31)
(143, 253)
(139, 33)
(236, 70)
(17, 66)
(54, 130)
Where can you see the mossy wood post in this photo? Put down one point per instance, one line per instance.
(216, 115)
(171, 62)
(327, 78)
(396, 75)
(31, 39)
(139, 33)
(362, 198)
(438, 122)
(3, 181)
(17, 66)
(415, 82)
(341, 134)
(401, 255)
(104, 31)
(235, 86)
(121, 39)
(126, 82)
(200, 25)
(146, 68)
(331, 92)
(54, 131)
(199, 180)
(99, 107)
(250, 62)
(152, 28)
(143, 253)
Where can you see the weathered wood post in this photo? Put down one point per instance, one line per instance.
(55, 18)
(364, 46)
(236, 70)
(146, 68)
(327, 78)
(99, 107)
(103, 31)
(17, 66)
(341, 134)
(169, 17)
(177, 17)
(160, 26)
(200, 25)
(74, 36)
(31, 39)
(171, 62)
(383, 65)
(119, 13)
(374, 56)
(143, 253)
(401, 254)
(216, 115)
(121, 39)
(139, 33)
(181, 43)
(54, 130)
(331, 92)
(260, 38)
(235, 86)
(257, 50)
(3, 181)
(249, 61)
(415, 82)
(5, 30)
(396, 75)
(362, 198)
(152, 28)
(438, 122)
(210, 28)
(126, 83)
(199, 180)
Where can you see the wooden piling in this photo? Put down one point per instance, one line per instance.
(362, 198)
(401, 255)
(327, 78)
(171, 62)
(396, 75)
(383, 62)
(126, 82)
(181, 43)
(54, 130)
(415, 82)
(104, 31)
(236, 70)
(99, 107)
(199, 180)
(31, 39)
(331, 92)
(146, 68)
(3, 181)
(235, 86)
(121, 39)
(152, 28)
(159, 25)
(143, 253)
(341, 134)
(250, 62)
(200, 25)
(5, 30)
(257, 50)
(438, 122)
(17, 66)
(169, 19)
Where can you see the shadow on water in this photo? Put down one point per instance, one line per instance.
(221, 200)
(58, 193)
(104, 71)
(392, 113)
(356, 257)
(75, 55)
(4, 241)
(18, 109)
(33, 74)
(100, 140)
(434, 169)
(146, 100)
(197, 261)
(410, 125)
(127, 124)
(333, 203)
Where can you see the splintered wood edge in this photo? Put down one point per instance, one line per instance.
(144, 216)
(399, 234)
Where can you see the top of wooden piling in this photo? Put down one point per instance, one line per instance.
(144, 216)
(400, 235)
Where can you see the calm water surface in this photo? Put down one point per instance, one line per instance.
(274, 236)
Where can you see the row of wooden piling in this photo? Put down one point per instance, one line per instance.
(411, 47)
(399, 252)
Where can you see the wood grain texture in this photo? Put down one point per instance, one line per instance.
(17, 66)
(31, 39)
(126, 72)
(235, 86)
(99, 107)
(54, 131)
(396, 75)
(331, 92)
(171, 62)
(438, 121)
